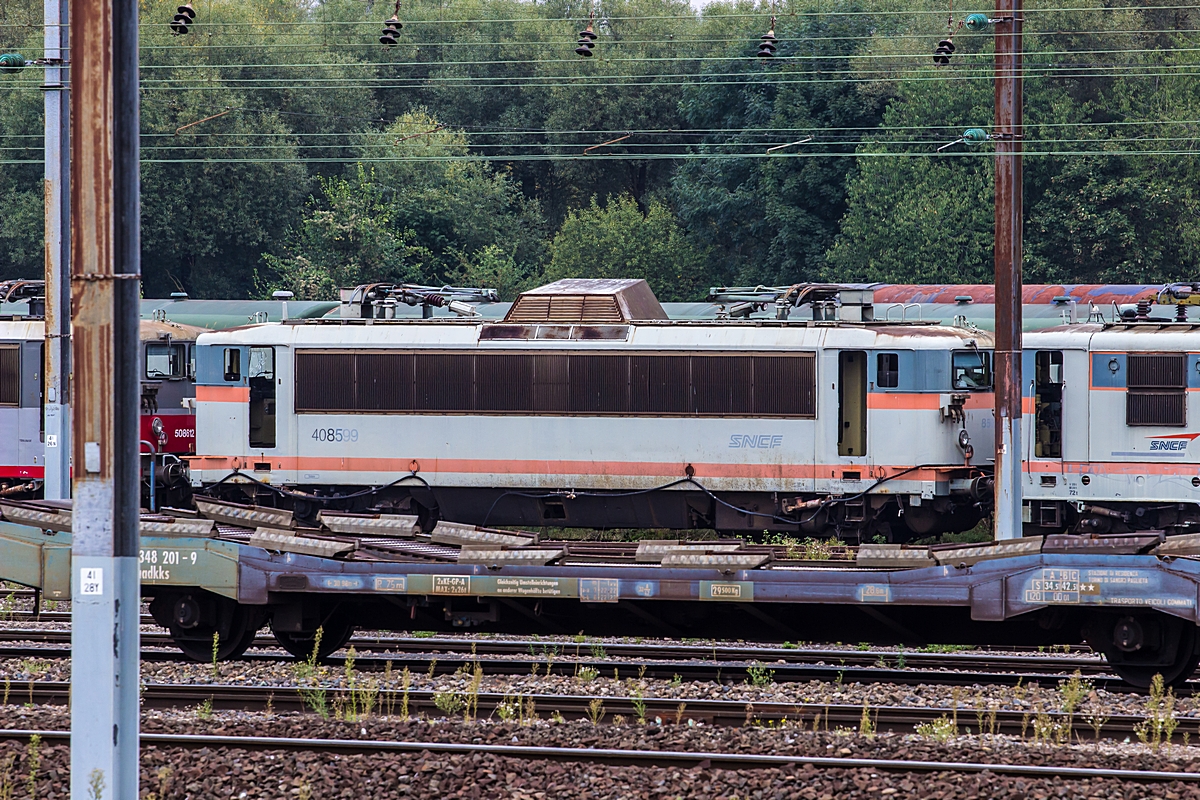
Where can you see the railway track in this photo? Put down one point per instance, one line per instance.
(612, 756)
(365, 643)
(511, 657)
(602, 708)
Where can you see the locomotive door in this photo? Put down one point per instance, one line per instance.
(261, 374)
(852, 403)
(1048, 386)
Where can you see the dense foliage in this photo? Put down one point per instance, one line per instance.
(284, 147)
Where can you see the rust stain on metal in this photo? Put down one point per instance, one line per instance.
(92, 238)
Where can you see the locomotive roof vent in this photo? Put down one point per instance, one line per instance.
(591, 301)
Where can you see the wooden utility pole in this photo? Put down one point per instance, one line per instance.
(1009, 225)
(105, 278)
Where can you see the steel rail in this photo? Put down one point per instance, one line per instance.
(364, 642)
(827, 716)
(695, 671)
(597, 755)
(807, 667)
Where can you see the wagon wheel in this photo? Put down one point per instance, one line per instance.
(197, 644)
(1142, 646)
(334, 635)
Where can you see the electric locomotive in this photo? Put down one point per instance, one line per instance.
(586, 406)
(167, 423)
(1112, 415)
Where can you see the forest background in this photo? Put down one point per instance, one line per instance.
(284, 147)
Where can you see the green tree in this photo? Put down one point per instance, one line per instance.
(772, 219)
(348, 238)
(493, 267)
(21, 206)
(231, 115)
(455, 205)
(617, 241)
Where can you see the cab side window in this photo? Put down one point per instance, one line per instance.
(166, 360)
(971, 370)
(887, 370)
(233, 364)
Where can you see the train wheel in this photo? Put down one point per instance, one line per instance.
(1138, 647)
(234, 635)
(334, 635)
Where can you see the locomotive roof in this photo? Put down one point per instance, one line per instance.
(152, 330)
(667, 334)
(30, 328)
(1151, 336)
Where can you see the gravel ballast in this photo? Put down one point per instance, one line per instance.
(200, 774)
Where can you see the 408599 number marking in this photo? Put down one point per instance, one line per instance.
(335, 434)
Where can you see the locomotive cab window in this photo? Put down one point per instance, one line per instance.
(261, 375)
(971, 370)
(10, 375)
(166, 361)
(233, 364)
(887, 370)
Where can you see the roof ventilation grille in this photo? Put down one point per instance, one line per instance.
(590, 302)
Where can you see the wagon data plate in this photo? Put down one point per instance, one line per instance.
(1107, 586)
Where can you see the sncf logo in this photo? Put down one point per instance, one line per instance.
(766, 440)
(1174, 443)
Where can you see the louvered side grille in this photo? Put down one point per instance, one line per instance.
(722, 385)
(1157, 371)
(599, 384)
(551, 384)
(660, 385)
(384, 381)
(10, 375)
(324, 382)
(785, 386)
(1157, 389)
(504, 382)
(558, 383)
(1156, 408)
(444, 382)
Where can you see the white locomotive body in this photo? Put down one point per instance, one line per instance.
(587, 407)
(1112, 414)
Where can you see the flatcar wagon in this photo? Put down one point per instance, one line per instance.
(585, 406)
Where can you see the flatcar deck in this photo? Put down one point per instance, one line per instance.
(1134, 597)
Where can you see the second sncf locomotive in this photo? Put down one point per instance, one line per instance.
(168, 429)
(585, 406)
(1112, 415)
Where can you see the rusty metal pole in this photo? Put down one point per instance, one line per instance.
(56, 480)
(1009, 225)
(105, 275)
